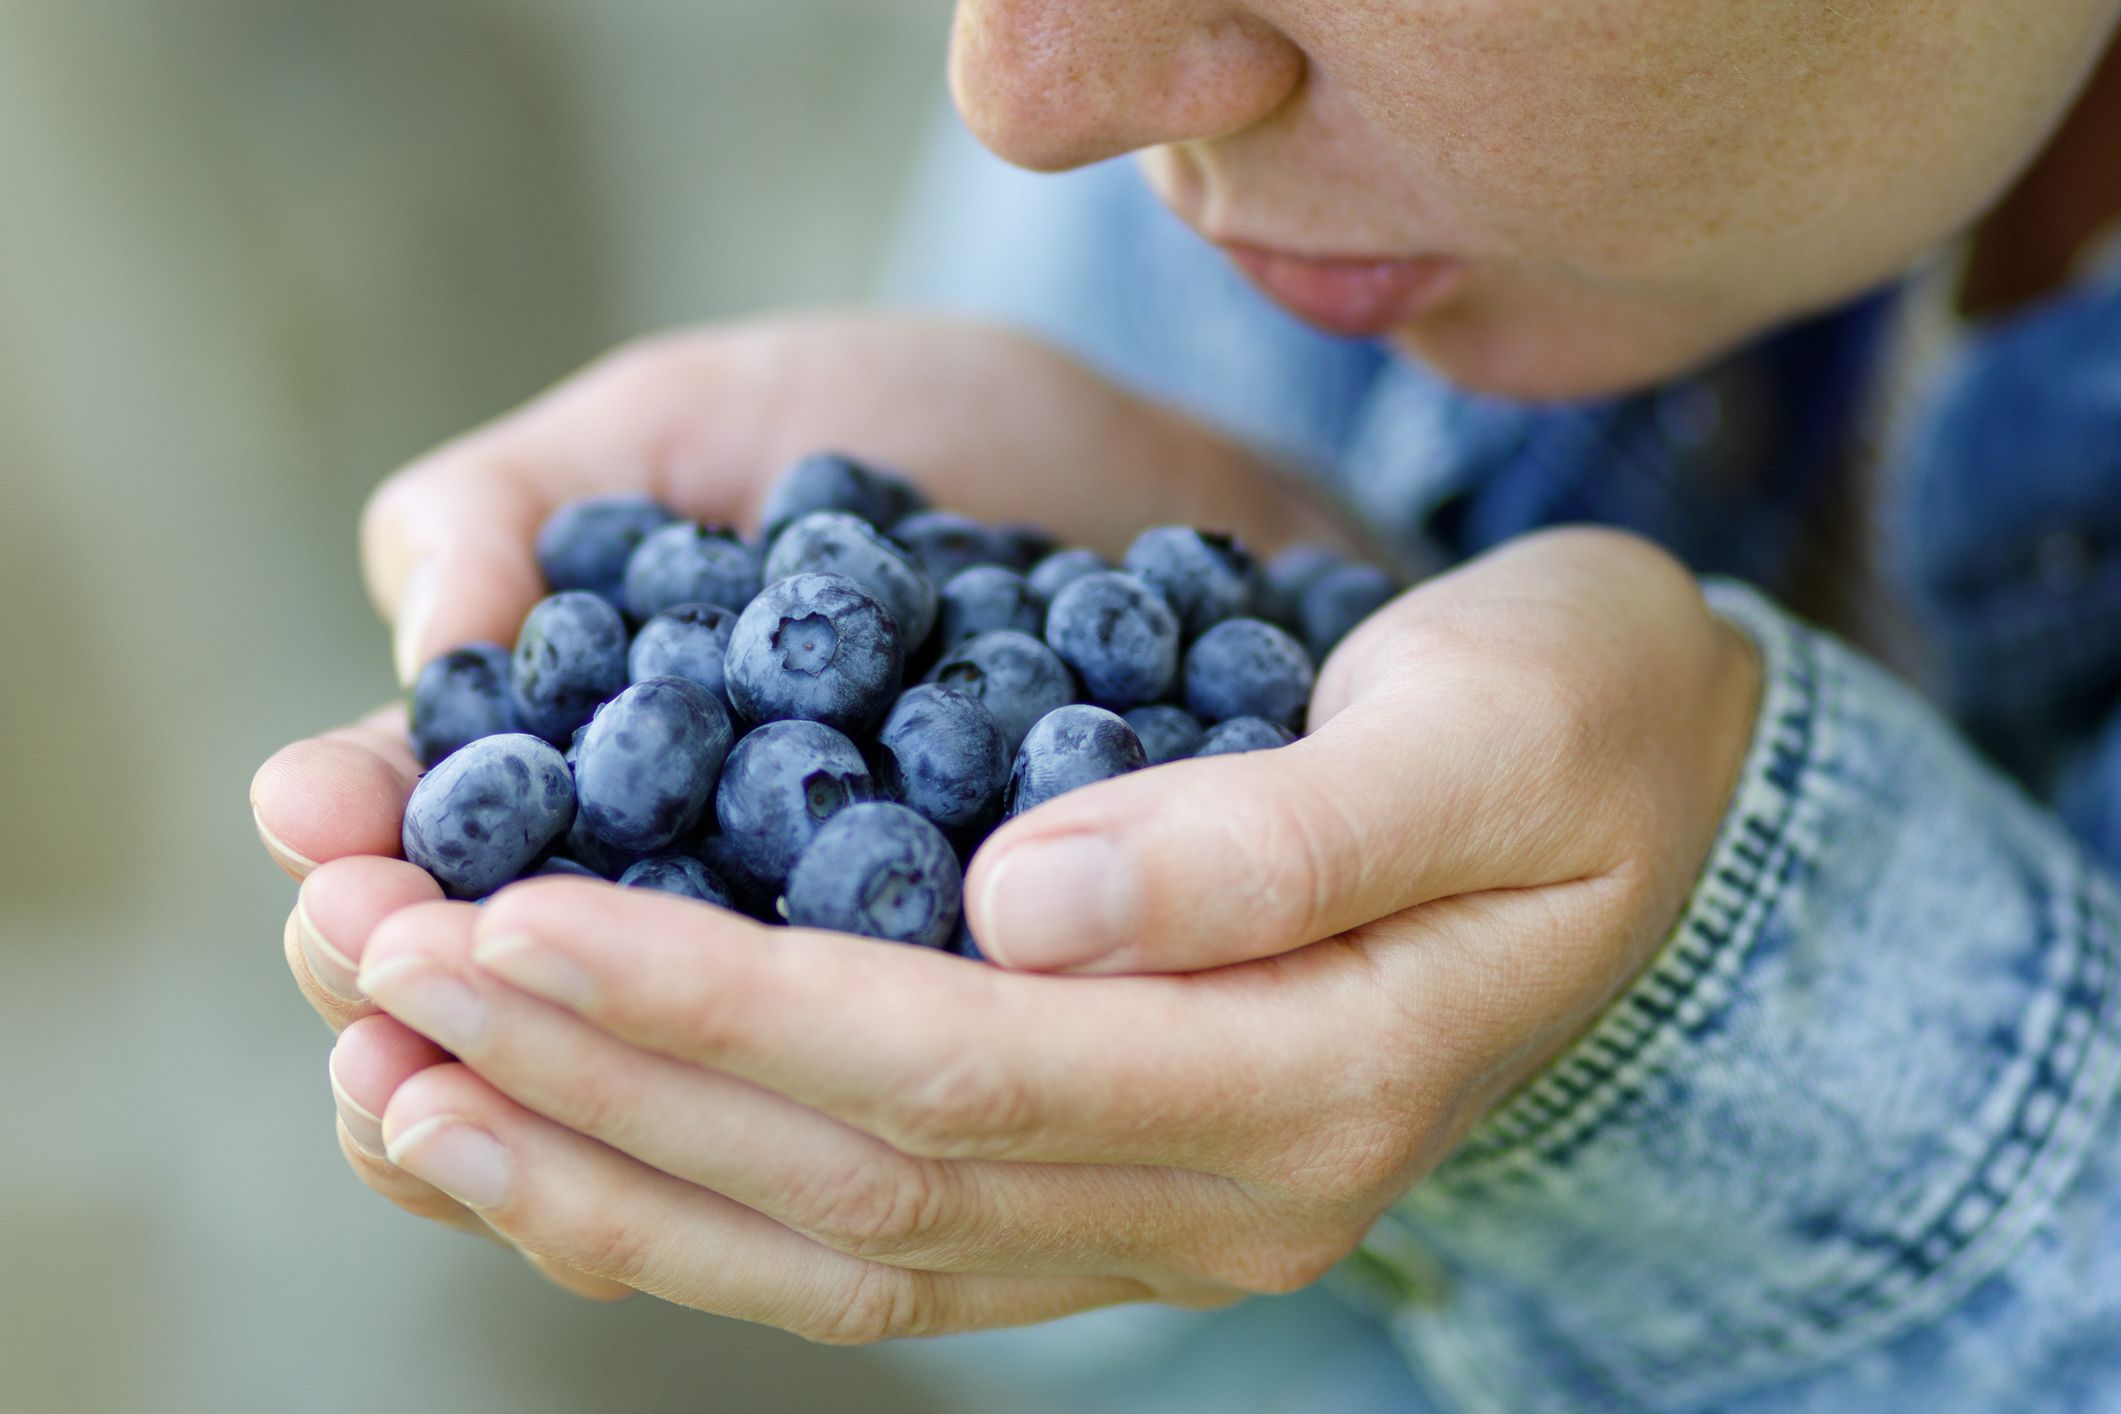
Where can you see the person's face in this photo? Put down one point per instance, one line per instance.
(1544, 198)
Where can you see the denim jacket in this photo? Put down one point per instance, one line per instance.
(1851, 1141)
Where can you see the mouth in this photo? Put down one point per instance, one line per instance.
(1355, 296)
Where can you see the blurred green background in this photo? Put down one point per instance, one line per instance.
(253, 254)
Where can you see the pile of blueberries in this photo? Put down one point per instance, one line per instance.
(820, 726)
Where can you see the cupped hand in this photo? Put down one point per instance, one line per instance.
(1302, 976)
(989, 422)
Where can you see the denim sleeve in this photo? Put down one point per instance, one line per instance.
(1849, 1143)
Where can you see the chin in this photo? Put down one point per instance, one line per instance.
(1555, 358)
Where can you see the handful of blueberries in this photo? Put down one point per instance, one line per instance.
(821, 726)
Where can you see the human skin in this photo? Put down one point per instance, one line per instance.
(1638, 184)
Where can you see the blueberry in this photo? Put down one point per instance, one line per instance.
(460, 697)
(833, 542)
(880, 871)
(676, 874)
(690, 564)
(690, 642)
(987, 597)
(561, 867)
(1205, 577)
(947, 542)
(817, 647)
(1120, 637)
(582, 845)
(779, 787)
(964, 944)
(1289, 577)
(1073, 747)
(1023, 546)
(754, 896)
(586, 545)
(941, 753)
(570, 656)
(1249, 668)
(488, 813)
(1062, 568)
(1339, 600)
(1016, 677)
(828, 481)
(1241, 734)
(650, 763)
(1167, 733)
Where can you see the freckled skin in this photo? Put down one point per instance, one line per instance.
(485, 815)
(1640, 184)
(1069, 749)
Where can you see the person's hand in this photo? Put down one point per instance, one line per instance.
(989, 422)
(1323, 965)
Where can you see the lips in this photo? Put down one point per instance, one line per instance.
(1359, 298)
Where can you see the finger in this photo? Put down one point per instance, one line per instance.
(835, 1184)
(366, 1067)
(573, 1200)
(339, 794)
(1437, 781)
(337, 909)
(939, 1057)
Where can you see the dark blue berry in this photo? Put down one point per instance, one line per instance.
(690, 564)
(488, 813)
(1167, 733)
(779, 787)
(561, 867)
(1119, 635)
(817, 647)
(1023, 546)
(650, 762)
(880, 871)
(676, 874)
(834, 542)
(947, 542)
(1242, 734)
(1205, 577)
(460, 697)
(985, 598)
(941, 754)
(831, 482)
(1074, 747)
(1288, 578)
(690, 642)
(1339, 600)
(1015, 676)
(570, 657)
(1249, 668)
(586, 545)
(1062, 568)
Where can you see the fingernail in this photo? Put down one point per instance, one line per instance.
(1060, 903)
(335, 971)
(429, 1000)
(286, 858)
(365, 1129)
(416, 607)
(465, 1162)
(536, 969)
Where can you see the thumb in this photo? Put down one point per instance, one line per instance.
(1208, 863)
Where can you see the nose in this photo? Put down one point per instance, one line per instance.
(1055, 84)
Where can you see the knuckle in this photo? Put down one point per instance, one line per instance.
(1281, 1268)
(882, 1303)
(966, 1109)
(888, 1212)
(615, 1250)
